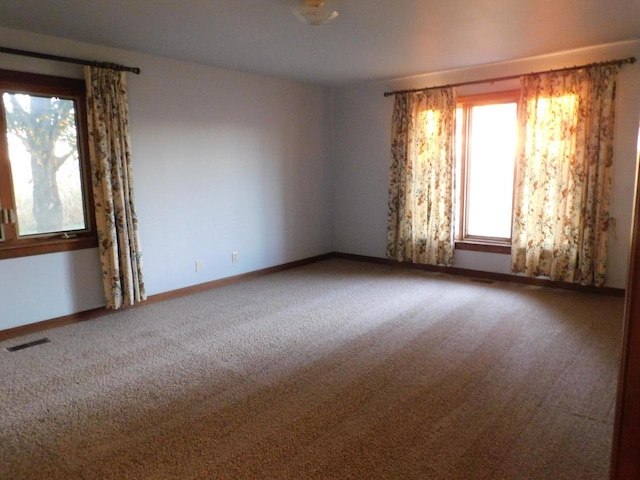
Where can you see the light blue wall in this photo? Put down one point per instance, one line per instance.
(274, 170)
(223, 162)
(227, 162)
(48, 286)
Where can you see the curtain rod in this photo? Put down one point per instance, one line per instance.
(514, 77)
(91, 63)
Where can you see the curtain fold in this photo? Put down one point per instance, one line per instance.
(563, 175)
(112, 181)
(421, 189)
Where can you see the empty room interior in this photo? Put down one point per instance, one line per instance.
(290, 239)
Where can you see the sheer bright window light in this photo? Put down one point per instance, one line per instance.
(315, 12)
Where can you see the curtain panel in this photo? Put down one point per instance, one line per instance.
(563, 175)
(112, 180)
(421, 189)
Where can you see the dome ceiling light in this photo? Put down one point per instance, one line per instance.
(315, 12)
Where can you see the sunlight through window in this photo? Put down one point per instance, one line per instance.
(486, 146)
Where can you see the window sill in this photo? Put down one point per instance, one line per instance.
(483, 247)
(46, 246)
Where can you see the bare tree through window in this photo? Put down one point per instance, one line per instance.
(43, 149)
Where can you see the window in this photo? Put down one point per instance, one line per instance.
(486, 136)
(45, 197)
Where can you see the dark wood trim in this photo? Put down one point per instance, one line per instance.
(483, 247)
(98, 312)
(503, 277)
(201, 287)
(46, 84)
(51, 245)
(53, 323)
(503, 96)
(625, 456)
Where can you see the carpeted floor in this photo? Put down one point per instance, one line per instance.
(337, 370)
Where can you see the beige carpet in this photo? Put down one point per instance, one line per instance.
(337, 370)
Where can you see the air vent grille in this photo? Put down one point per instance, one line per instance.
(22, 346)
(482, 280)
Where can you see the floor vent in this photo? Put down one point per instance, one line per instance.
(29, 344)
(482, 280)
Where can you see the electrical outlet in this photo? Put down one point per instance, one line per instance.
(198, 265)
(234, 257)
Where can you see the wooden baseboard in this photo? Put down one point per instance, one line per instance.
(503, 277)
(52, 323)
(201, 287)
(98, 312)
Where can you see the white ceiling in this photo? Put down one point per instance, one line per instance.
(370, 40)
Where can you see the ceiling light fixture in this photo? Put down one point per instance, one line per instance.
(314, 12)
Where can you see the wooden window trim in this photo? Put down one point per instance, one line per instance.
(487, 247)
(463, 240)
(52, 245)
(12, 246)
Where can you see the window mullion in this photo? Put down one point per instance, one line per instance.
(7, 230)
(465, 171)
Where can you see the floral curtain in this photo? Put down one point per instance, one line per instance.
(111, 173)
(563, 175)
(420, 227)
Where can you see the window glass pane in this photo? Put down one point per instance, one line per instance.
(45, 166)
(490, 168)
